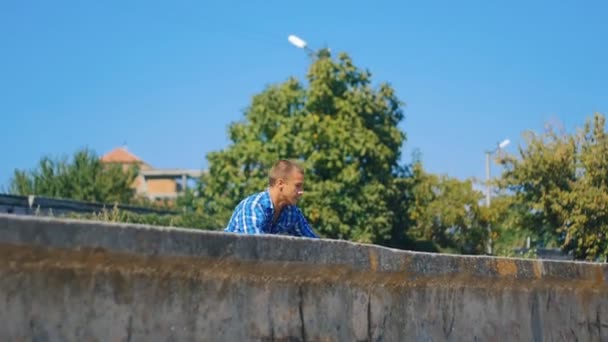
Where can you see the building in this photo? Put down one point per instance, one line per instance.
(155, 184)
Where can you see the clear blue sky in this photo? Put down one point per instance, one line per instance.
(169, 77)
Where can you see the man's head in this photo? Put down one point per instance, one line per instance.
(287, 178)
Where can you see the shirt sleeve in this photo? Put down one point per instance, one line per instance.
(301, 226)
(253, 219)
(248, 218)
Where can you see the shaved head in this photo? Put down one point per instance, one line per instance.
(282, 169)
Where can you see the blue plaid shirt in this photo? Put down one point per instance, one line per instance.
(254, 216)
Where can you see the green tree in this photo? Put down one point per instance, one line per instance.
(447, 212)
(558, 183)
(510, 224)
(84, 177)
(345, 134)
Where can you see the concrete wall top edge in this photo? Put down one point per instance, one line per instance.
(166, 241)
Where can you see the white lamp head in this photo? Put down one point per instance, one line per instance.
(504, 143)
(297, 41)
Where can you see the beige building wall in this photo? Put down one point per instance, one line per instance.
(161, 185)
(165, 187)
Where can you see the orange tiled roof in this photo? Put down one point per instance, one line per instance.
(120, 155)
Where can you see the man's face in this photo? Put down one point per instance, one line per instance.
(293, 187)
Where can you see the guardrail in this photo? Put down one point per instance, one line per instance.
(40, 205)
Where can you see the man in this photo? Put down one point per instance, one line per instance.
(274, 211)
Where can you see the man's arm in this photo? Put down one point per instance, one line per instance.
(301, 226)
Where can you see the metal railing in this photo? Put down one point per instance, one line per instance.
(40, 205)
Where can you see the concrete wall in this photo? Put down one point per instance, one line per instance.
(74, 281)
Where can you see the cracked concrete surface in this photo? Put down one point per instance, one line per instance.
(75, 280)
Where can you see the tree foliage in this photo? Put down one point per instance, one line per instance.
(559, 184)
(84, 177)
(447, 211)
(343, 131)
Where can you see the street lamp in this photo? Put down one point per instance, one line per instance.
(489, 154)
(300, 44)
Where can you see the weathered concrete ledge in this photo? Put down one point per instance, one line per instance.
(75, 280)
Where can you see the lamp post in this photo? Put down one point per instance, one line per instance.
(489, 154)
(300, 43)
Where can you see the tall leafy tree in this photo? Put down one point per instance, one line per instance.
(83, 177)
(447, 211)
(584, 213)
(559, 184)
(512, 225)
(345, 133)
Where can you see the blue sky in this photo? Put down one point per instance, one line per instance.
(168, 78)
